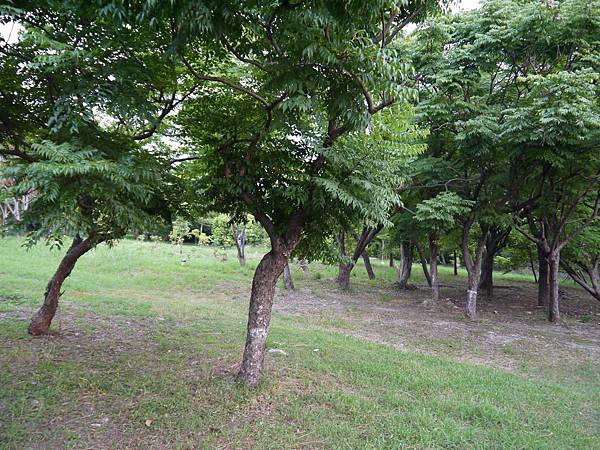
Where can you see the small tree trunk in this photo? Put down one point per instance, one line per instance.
(367, 261)
(287, 278)
(40, 322)
(405, 267)
(392, 260)
(433, 271)
(473, 266)
(423, 263)
(343, 278)
(259, 316)
(239, 236)
(455, 263)
(303, 265)
(553, 306)
(543, 276)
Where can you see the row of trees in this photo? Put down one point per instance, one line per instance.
(324, 120)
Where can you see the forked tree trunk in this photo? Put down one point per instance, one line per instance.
(405, 267)
(287, 278)
(553, 297)
(543, 277)
(433, 270)
(259, 316)
(368, 267)
(40, 322)
(343, 279)
(239, 236)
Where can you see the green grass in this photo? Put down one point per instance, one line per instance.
(145, 337)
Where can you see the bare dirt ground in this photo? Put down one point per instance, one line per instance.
(511, 332)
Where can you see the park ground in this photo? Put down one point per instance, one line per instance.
(145, 347)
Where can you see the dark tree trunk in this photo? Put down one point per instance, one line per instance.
(455, 263)
(405, 267)
(543, 276)
(343, 278)
(423, 263)
(553, 297)
(368, 267)
(40, 323)
(239, 236)
(287, 278)
(487, 273)
(532, 265)
(433, 270)
(392, 260)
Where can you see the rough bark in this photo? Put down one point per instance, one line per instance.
(433, 269)
(553, 297)
(259, 316)
(368, 266)
(239, 236)
(405, 266)
(40, 322)
(343, 278)
(543, 276)
(287, 278)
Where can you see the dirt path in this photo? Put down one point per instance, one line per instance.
(511, 333)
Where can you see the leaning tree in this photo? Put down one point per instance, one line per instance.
(78, 97)
(282, 85)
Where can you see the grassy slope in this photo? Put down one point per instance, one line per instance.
(151, 338)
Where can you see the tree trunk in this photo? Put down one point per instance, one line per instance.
(543, 276)
(553, 298)
(367, 261)
(433, 270)
(40, 322)
(261, 301)
(423, 263)
(392, 260)
(287, 278)
(303, 265)
(405, 267)
(343, 278)
(239, 236)
(473, 266)
(455, 263)
(487, 273)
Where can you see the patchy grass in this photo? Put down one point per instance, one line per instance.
(144, 351)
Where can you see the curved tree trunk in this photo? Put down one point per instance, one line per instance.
(40, 322)
(368, 266)
(259, 316)
(543, 276)
(287, 278)
(405, 267)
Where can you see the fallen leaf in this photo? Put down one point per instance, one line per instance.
(148, 422)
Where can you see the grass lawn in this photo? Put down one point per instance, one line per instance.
(145, 348)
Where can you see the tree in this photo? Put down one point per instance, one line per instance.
(77, 96)
(284, 87)
(581, 260)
